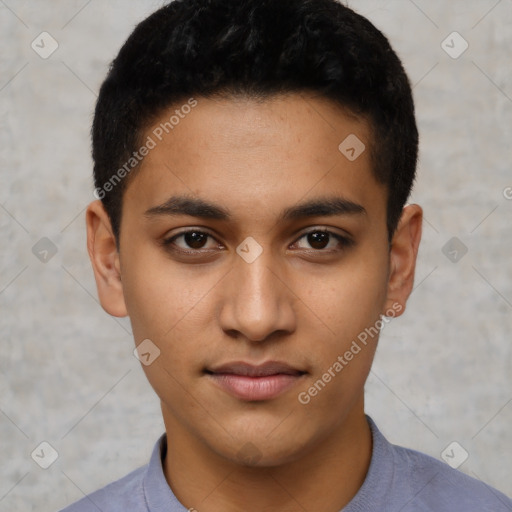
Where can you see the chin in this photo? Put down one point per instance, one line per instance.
(259, 452)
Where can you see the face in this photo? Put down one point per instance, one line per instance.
(253, 254)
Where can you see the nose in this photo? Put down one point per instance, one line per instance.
(257, 301)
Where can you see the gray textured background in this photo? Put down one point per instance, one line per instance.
(443, 371)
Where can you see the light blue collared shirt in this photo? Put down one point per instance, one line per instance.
(398, 479)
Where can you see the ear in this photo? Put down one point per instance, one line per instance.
(402, 260)
(101, 245)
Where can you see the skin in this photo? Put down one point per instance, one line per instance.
(299, 302)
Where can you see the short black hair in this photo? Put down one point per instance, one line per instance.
(257, 49)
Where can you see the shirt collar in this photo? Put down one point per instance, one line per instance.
(379, 477)
(159, 496)
(157, 493)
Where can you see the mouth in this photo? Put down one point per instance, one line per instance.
(255, 382)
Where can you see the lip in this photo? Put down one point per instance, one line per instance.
(255, 382)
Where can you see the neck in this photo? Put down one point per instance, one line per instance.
(325, 478)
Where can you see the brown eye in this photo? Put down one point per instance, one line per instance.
(195, 239)
(318, 239)
(189, 241)
(322, 239)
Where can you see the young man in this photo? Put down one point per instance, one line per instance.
(252, 162)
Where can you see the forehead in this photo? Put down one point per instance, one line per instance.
(256, 157)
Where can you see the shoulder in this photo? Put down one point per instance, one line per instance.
(143, 489)
(410, 481)
(434, 485)
(124, 494)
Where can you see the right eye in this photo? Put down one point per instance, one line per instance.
(190, 241)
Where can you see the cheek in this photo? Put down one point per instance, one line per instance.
(351, 298)
(167, 306)
(350, 308)
(160, 295)
(170, 305)
(349, 305)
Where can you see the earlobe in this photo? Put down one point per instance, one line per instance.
(402, 261)
(101, 245)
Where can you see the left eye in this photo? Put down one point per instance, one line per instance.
(320, 239)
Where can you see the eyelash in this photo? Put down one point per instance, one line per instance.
(168, 243)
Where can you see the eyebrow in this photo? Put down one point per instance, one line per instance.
(195, 207)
